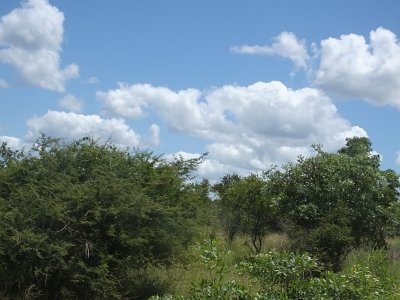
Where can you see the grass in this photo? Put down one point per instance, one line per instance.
(384, 263)
(394, 258)
(182, 275)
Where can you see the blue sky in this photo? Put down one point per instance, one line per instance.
(254, 83)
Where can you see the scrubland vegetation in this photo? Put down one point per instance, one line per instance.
(81, 220)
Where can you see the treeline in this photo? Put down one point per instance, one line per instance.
(328, 204)
(81, 220)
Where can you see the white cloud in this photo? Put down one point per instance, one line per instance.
(248, 127)
(72, 103)
(349, 67)
(13, 142)
(30, 40)
(120, 101)
(181, 108)
(210, 168)
(285, 44)
(70, 126)
(353, 68)
(4, 84)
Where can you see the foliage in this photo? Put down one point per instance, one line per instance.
(285, 275)
(336, 202)
(216, 285)
(247, 206)
(229, 216)
(394, 217)
(357, 283)
(82, 220)
(280, 272)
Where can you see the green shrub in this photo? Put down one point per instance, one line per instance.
(336, 202)
(82, 220)
(285, 275)
(280, 270)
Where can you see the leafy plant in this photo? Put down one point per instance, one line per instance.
(216, 286)
(247, 206)
(280, 272)
(82, 220)
(336, 202)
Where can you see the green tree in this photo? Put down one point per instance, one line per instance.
(247, 206)
(229, 216)
(83, 220)
(337, 201)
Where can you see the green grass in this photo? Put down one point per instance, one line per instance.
(181, 276)
(384, 263)
(393, 255)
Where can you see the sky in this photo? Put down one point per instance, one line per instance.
(252, 83)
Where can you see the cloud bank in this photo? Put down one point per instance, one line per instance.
(348, 67)
(247, 127)
(70, 125)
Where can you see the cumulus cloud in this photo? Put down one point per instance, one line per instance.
(352, 67)
(72, 103)
(349, 67)
(30, 40)
(247, 127)
(285, 44)
(70, 126)
(13, 142)
(120, 102)
(181, 108)
(211, 168)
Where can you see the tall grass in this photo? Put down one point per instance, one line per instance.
(384, 263)
(181, 276)
(393, 256)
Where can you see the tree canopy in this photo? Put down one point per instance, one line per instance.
(338, 201)
(83, 220)
(247, 206)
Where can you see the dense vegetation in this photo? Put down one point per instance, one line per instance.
(81, 220)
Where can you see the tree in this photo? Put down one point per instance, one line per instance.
(229, 215)
(83, 220)
(247, 206)
(337, 201)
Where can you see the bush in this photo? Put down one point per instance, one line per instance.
(82, 220)
(336, 202)
(285, 275)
